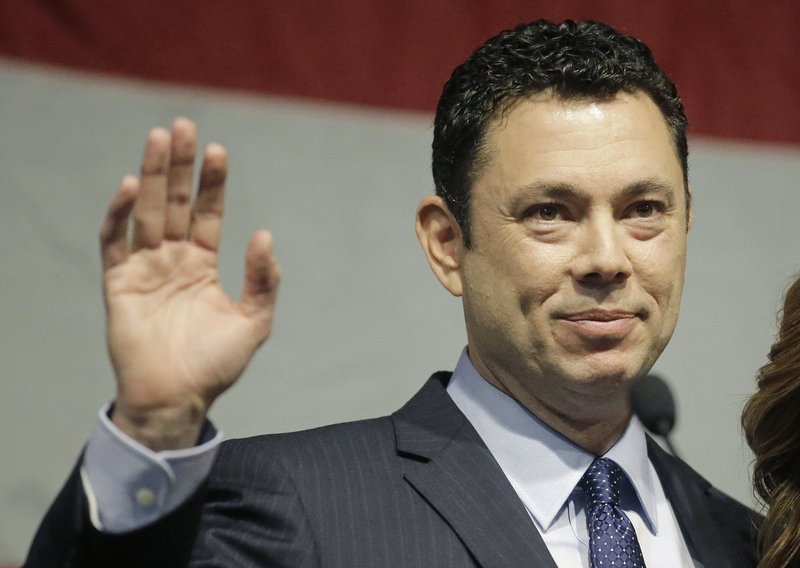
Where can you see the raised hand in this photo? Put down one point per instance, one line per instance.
(175, 339)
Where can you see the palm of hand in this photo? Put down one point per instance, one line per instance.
(173, 333)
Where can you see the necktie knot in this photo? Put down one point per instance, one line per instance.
(601, 483)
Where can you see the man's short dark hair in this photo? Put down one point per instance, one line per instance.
(573, 61)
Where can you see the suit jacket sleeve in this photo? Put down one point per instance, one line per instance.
(67, 539)
(236, 518)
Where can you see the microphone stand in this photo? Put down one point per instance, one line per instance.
(663, 429)
(670, 447)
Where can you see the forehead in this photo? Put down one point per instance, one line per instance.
(586, 143)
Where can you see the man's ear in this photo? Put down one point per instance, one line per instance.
(440, 237)
(690, 208)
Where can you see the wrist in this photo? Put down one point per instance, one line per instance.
(161, 428)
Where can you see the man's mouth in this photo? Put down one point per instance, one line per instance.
(600, 315)
(602, 324)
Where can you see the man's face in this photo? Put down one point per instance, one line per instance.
(579, 230)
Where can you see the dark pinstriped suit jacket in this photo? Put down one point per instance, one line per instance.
(416, 489)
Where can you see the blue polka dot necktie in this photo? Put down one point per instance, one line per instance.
(612, 538)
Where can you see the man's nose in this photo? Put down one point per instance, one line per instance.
(602, 257)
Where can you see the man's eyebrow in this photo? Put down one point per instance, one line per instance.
(548, 190)
(558, 191)
(649, 186)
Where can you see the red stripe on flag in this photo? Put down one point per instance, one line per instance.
(736, 65)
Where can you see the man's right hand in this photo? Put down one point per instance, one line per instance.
(175, 339)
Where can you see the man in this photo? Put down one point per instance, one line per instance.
(560, 218)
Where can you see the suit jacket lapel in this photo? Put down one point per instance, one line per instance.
(455, 473)
(687, 492)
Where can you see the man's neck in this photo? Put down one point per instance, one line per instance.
(594, 423)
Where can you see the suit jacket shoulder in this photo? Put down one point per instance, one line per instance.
(417, 488)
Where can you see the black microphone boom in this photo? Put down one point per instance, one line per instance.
(653, 403)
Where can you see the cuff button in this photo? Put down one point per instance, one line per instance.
(145, 497)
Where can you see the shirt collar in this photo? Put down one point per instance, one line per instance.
(517, 439)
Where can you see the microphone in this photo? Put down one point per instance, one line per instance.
(653, 403)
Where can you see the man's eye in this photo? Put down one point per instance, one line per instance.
(644, 209)
(547, 212)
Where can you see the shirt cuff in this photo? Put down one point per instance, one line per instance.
(129, 485)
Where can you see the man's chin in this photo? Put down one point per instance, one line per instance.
(607, 375)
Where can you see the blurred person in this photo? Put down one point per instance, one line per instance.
(771, 421)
